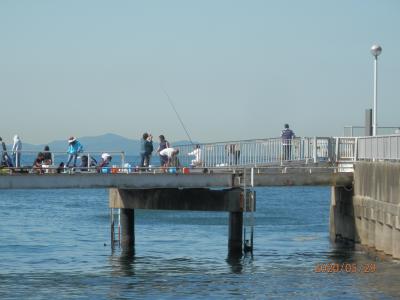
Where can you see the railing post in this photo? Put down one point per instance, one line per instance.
(315, 150)
(330, 158)
(355, 154)
(337, 149)
(122, 159)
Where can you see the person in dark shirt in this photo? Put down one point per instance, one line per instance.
(287, 137)
(163, 145)
(146, 148)
(48, 159)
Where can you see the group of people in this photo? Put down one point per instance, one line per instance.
(168, 155)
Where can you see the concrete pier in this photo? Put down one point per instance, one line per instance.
(228, 200)
(342, 222)
(369, 215)
(127, 230)
(235, 237)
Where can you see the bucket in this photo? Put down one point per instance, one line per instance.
(114, 169)
(186, 170)
(105, 170)
(172, 170)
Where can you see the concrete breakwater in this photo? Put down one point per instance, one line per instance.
(369, 213)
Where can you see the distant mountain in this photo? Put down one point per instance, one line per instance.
(102, 143)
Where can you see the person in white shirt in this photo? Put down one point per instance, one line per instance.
(171, 156)
(197, 156)
(17, 147)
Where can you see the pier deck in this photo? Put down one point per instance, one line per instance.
(211, 179)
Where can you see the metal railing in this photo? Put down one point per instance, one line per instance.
(27, 160)
(270, 152)
(386, 147)
(258, 152)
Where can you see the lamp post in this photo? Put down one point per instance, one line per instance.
(375, 51)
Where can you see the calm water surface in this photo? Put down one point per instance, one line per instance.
(54, 244)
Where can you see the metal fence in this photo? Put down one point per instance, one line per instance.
(385, 147)
(257, 152)
(27, 159)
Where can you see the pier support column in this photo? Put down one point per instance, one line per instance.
(342, 221)
(127, 230)
(235, 242)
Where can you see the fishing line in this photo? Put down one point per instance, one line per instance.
(176, 112)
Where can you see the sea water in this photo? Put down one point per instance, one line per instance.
(55, 244)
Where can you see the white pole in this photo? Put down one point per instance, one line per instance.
(374, 132)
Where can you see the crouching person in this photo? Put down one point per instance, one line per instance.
(104, 163)
(171, 156)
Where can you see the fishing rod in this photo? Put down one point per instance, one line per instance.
(176, 112)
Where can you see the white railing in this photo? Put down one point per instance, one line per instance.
(345, 149)
(27, 159)
(386, 147)
(258, 152)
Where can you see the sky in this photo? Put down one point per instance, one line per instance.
(233, 69)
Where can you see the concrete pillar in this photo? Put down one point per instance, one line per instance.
(235, 241)
(127, 230)
(342, 220)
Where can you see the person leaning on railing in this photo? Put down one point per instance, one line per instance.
(287, 136)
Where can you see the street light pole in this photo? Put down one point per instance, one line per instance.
(375, 50)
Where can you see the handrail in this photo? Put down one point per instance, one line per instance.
(261, 152)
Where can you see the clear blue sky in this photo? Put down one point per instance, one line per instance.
(234, 69)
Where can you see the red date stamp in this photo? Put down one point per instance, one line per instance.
(345, 267)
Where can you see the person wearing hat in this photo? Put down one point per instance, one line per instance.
(287, 137)
(74, 148)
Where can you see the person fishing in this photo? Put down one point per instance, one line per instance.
(74, 148)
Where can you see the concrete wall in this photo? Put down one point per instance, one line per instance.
(370, 214)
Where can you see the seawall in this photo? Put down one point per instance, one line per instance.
(369, 213)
